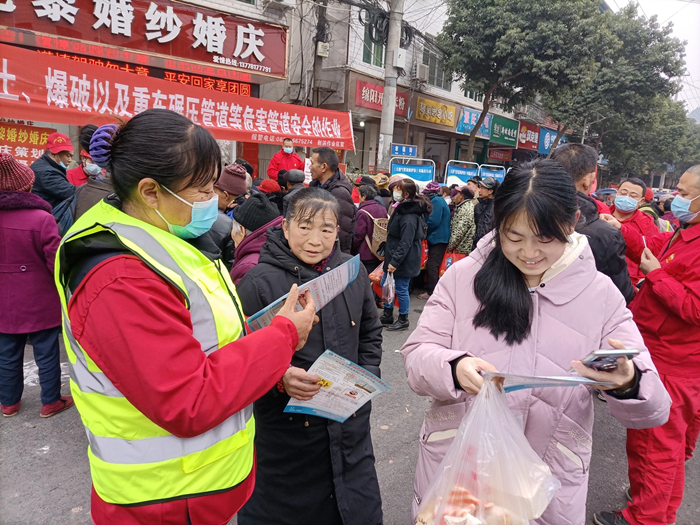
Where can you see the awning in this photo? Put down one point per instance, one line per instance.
(34, 86)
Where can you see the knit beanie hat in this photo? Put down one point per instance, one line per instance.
(255, 212)
(269, 186)
(14, 176)
(432, 187)
(232, 179)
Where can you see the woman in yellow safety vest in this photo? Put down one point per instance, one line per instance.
(160, 371)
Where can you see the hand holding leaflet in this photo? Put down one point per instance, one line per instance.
(345, 387)
(323, 289)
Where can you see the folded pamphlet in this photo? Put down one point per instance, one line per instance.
(513, 382)
(323, 289)
(345, 387)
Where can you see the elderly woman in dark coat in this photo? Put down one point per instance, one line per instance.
(311, 469)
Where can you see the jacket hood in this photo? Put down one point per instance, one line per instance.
(22, 200)
(371, 204)
(589, 210)
(276, 252)
(254, 242)
(416, 207)
(566, 278)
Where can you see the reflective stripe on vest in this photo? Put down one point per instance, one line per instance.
(164, 448)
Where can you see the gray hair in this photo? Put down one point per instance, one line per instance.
(237, 229)
(248, 182)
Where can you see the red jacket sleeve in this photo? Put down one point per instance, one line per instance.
(682, 299)
(137, 329)
(635, 242)
(274, 166)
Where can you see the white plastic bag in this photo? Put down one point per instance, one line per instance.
(389, 289)
(490, 474)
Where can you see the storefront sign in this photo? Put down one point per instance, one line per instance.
(418, 172)
(159, 27)
(547, 137)
(435, 112)
(504, 131)
(404, 150)
(504, 155)
(529, 136)
(469, 118)
(69, 92)
(25, 143)
(371, 96)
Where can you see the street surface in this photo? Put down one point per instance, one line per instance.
(45, 478)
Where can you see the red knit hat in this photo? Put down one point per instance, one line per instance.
(649, 195)
(14, 176)
(269, 186)
(58, 142)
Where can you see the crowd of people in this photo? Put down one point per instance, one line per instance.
(185, 416)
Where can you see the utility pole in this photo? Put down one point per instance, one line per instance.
(318, 60)
(391, 74)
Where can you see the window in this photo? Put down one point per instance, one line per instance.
(479, 97)
(372, 53)
(251, 2)
(436, 76)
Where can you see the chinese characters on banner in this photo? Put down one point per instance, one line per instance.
(504, 155)
(25, 143)
(371, 96)
(504, 131)
(433, 111)
(469, 118)
(529, 137)
(158, 27)
(71, 92)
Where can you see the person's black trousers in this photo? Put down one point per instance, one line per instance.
(436, 252)
(46, 356)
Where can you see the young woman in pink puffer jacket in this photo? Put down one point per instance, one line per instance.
(529, 301)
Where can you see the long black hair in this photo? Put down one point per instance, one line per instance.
(545, 193)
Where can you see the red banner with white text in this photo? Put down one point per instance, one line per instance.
(46, 88)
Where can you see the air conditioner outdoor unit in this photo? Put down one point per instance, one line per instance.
(422, 72)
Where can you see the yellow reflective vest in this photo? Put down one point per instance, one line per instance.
(133, 460)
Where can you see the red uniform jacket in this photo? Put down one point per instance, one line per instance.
(77, 176)
(643, 225)
(667, 307)
(136, 328)
(602, 207)
(284, 161)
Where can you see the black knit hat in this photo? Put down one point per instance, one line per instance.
(255, 212)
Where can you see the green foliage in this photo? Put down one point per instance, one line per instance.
(515, 49)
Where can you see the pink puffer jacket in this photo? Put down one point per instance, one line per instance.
(574, 313)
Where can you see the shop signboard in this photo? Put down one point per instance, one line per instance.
(417, 172)
(435, 112)
(70, 92)
(547, 137)
(25, 143)
(469, 118)
(504, 155)
(368, 95)
(529, 136)
(404, 150)
(164, 29)
(504, 131)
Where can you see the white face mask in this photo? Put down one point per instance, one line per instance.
(93, 169)
(398, 196)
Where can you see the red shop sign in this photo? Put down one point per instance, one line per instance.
(371, 96)
(529, 136)
(160, 27)
(25, 143)
(504, 155)
(71, 92)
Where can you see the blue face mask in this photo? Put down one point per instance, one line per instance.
(287, 150)
(93, 169)
(625, 204)
(680, 207)
(63, 165)
(204, 215)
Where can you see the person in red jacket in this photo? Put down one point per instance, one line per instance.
(626, 210)
(80, 174)
(285, 159)
(667, 312)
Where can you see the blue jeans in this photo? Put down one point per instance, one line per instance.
(401, 284)
(46, 356)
